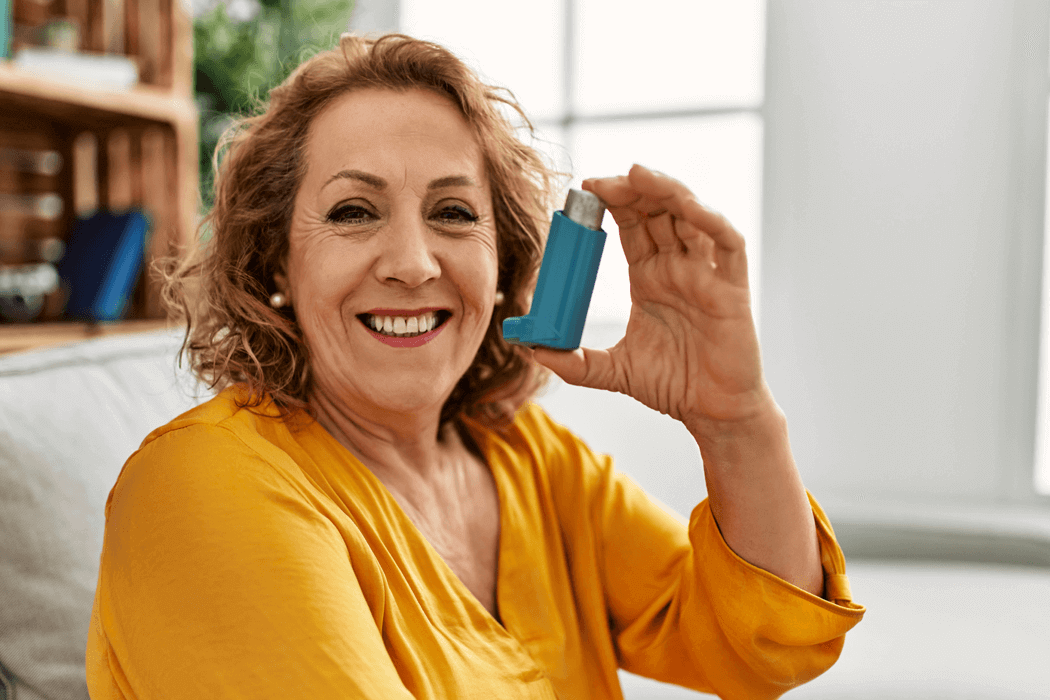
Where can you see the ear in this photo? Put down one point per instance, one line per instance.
(281, 281)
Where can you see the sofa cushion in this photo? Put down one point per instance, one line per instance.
(69, 419)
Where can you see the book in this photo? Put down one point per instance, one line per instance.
(104, 255)
(6, 22)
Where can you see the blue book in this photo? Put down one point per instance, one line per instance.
(6, 8)
(104, 256)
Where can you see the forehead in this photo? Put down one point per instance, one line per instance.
(382, 129)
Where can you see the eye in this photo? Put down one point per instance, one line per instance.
(349, 214)
(455, 214)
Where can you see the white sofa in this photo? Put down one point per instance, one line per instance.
(69, 418)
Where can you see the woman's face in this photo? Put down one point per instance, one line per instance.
(392, 220)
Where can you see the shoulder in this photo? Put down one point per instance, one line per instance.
(222, 427)
(552, 450)
(533, 433)
(225, 411)
(216, 448)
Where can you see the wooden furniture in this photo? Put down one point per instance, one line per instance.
(117, 149)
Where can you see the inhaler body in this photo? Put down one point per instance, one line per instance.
(566, 280)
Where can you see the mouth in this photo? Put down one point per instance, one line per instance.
(405, 326)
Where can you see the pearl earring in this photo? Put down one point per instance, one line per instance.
(277, 300)
(499, 297)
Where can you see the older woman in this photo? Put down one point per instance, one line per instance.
(372, 508)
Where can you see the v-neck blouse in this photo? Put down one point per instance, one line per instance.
(248, 558)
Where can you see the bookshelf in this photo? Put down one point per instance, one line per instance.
(31, 336)
(72, 148)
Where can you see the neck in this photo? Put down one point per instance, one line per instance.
(396, 447)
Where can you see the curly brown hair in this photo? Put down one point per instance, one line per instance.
(221, 288)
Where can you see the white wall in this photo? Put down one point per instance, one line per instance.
(890, 223)
(375, 16)
(904, 152)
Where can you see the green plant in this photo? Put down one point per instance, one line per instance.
(238, 60)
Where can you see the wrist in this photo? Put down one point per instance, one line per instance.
(765, 419)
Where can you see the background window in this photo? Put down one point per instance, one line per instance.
(672, 55)
(529, 60)
(607, 85)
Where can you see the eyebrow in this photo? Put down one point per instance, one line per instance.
(378, 183)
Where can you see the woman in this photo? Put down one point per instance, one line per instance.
(371, 508)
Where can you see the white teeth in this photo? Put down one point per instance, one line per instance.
(403, 325)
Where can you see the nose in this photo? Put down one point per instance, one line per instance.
(407, 252)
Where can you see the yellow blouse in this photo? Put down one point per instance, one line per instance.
(243, 559)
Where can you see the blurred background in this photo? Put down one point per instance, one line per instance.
(886, 161)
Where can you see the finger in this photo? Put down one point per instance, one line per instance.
(680, 201)
(641, 235)
(641, 199)
(580, 367)
(632, 208)
(636, 242)
(623, 201)
(696, 243)
(662, 230)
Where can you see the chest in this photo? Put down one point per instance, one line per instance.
(461, 521)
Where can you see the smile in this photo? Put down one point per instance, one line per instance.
(405, 331)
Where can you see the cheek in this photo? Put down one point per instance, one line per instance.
(326, 275)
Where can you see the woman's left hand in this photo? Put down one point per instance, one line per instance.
(691, 349)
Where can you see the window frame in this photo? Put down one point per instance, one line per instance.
(1021, 356)
(605, 333)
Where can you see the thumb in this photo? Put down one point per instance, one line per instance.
(580, 367)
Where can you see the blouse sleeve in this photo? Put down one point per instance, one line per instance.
(219, 580)
(683, 607)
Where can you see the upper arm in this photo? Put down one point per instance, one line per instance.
(220, 579)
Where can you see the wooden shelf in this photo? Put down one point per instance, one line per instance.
(70, 103)
(119, 149)
(27, 336)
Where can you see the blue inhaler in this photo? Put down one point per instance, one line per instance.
(566, 281)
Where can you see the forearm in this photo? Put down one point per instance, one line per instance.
(757, 497)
